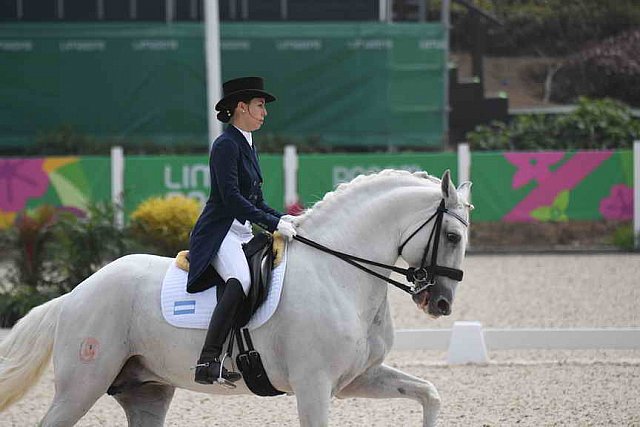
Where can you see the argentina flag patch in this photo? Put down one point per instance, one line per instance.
(184, 307)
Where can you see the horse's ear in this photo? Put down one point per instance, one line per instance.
(449, 190)
(464, 190)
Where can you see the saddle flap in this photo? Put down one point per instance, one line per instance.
(259, 255)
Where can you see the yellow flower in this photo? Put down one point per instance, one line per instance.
(165, 223)
(6, 219)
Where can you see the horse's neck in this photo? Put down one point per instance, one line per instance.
(366, 229)
(369, 227)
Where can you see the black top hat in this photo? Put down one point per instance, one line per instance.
(237, 89)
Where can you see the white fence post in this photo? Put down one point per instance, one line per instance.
(636, 194)
(117, 185)
(464, 162)
(467, 344)
(212, 54)
(464, 168)
(290, 164)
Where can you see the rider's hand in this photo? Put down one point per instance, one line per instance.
(288, 218)
(287, 229)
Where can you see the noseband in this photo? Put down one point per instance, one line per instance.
(421, 277)
(426, 274)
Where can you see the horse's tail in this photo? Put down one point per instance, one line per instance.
(25, 352)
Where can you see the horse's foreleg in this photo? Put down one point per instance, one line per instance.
(384, 382)
(313, 397)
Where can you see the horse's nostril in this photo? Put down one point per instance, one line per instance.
(444, 307)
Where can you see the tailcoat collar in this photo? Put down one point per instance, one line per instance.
(245, 148)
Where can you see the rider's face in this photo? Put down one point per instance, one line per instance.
(252, 114)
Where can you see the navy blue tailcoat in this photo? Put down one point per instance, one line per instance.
(236, 193)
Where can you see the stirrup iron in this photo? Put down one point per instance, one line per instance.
(221, 380)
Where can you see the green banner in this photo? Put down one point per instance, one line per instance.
(347, 84)
(318, 174)
(113, 81)
(160, 176)
(341, 83)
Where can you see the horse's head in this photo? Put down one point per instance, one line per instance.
(436, 291)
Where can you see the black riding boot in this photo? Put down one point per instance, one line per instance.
(222, 319)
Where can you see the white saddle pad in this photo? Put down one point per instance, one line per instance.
(184, 310)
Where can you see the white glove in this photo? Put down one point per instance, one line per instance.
(288, 218)
(287, 229)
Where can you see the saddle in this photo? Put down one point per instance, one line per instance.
(263, 253)
(260, 257)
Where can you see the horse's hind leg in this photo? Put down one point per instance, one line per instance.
(84, 366)
(146, 405)
(144, 399)
(78, 387)
(385, 382)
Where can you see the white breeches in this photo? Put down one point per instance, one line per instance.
(230, 261)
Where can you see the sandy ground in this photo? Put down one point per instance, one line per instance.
(531, 388)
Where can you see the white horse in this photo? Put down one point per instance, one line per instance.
(328, 336)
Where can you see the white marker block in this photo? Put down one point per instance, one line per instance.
(467, 344)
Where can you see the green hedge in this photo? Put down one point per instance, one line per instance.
(595, 124)
(50, 251)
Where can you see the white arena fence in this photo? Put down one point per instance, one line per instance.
(526, 339)
(468, 342)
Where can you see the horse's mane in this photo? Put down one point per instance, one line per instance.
(332, 198)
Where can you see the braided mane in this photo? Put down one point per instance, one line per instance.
(332, 198)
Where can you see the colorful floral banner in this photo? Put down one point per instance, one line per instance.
(553, 186)
(65, 182)
(514, 187)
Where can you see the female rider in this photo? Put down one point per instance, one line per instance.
(235, 201)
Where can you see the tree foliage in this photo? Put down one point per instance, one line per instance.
(546, 27)
(610, 68)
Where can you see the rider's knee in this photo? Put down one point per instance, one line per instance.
(245, 280)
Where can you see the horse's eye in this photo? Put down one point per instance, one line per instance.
(453, 237)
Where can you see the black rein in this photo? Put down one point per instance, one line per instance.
(422, 277)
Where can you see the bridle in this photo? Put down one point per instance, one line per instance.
(422, 277)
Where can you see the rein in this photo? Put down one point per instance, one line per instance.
(421, 277)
